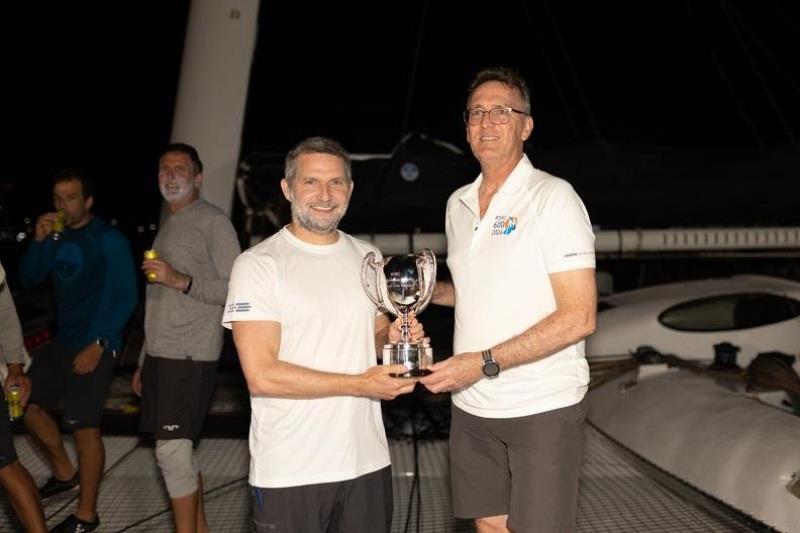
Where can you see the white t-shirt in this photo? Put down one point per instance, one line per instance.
(327, 323)
(535, 225)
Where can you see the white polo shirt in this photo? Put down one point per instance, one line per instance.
(535, 225)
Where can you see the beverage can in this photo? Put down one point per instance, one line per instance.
(14, 400)
(58, 226)
(150, 255)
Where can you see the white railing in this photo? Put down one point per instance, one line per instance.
(626, 241)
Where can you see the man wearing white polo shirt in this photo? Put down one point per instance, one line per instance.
(521, 255)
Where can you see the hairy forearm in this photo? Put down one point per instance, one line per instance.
(548, 336)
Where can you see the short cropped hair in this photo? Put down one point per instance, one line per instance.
(316, 145)
(70, 174)
(506, 76)
(183, 148)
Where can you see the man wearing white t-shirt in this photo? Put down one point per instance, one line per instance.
(521, 254)
(306, 335)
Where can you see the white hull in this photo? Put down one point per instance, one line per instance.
(729, 446)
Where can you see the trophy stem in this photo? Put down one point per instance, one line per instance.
(405, 336)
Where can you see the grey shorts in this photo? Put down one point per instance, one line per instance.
(359, 505)
(525, 467)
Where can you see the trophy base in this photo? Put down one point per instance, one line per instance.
(414, 373)
(416, 357)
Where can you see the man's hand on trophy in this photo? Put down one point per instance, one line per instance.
(454, 373)
(379, 385)
(415, 330)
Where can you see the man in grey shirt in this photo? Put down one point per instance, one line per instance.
(14, 478)
(196, 246)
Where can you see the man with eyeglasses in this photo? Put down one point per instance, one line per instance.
(188, 282)
(521, 254)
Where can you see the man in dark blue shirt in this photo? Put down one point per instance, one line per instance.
(92, 271)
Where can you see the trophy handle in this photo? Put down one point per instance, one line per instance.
(426, 267)
(369, 271)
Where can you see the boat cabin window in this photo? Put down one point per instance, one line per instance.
(730, 312)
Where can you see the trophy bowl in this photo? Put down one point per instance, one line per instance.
(402, 285)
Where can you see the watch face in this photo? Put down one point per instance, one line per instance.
(491, 369)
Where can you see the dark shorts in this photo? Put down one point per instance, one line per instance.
(54, 382)
(526, 467)
(354, 506)
(176, 395)
(8, 454)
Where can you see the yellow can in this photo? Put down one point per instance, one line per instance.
(58, 226)
(150, 255)
(14, 401)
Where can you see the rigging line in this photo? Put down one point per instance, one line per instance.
(572, 72)
(413, 78)
(724, 76)
(765, 49)
(415, 494)
(731, 16)
(784, 17)
(550, 70)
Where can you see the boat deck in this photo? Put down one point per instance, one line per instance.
(619, 492)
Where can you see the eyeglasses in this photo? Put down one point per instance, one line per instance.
(498, 115)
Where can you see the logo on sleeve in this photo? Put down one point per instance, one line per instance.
(239, 307)
(504, 225)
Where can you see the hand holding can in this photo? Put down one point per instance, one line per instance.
(150, 255)
(14, 400)
(58, 226)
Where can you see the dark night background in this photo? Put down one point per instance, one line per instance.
(660, 113)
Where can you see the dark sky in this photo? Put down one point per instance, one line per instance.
(95, 88)
(675, 73)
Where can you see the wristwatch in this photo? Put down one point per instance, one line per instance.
(102, 342)
(490, 367)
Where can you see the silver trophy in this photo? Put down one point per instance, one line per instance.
(402, 285)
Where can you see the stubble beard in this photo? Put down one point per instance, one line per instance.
(306, 220)
(173, 196)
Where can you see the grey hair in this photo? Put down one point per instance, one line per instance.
(316, 145)
(506, 76)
